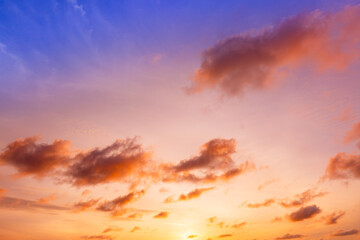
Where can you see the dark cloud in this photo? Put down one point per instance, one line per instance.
(123, 160)
(333, 217)
(343, 166)
(256, 61)
(344, 233)
(161, 215)
(301, 199)
(266, 203)
(32, 158)
(290, 236)
(212, 164)
(304, 213)
(120, 202)
(82, 206)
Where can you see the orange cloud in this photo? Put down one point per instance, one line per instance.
(18, 203)
(161, 215)
(302, 198)
(304, 213)
(333, 217)
(343, 166)
(47, 199)
(212, 164)
(353, 134)
(193, 194)
(2, 192)
(256, 61)
(290, 236)
(119, 161)
(238, 225)
(136, 228)
(112, 230)
(266, 203)
(276, 219)
(97, 237)
(119, 202)
(82, 206)
(344, 233)
(192, 236)
(224, 235)
(32, 158)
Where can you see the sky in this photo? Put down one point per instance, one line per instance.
(186, 119)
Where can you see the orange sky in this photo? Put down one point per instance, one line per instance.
(177, 130)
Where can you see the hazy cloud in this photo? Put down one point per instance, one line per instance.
(162, 215)
(290, 236)
(301, 199)
(344, 233)
(266, 203)
(333, 217)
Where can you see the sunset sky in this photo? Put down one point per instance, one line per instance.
(188, 119)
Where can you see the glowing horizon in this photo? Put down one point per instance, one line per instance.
(179, 120)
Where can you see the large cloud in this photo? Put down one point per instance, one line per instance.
(343, 166)
(304, 213)
(123, 160)
(212, 164)
(258, 60)
(32, 158)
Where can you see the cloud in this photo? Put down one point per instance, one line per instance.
(266, 203)
(161, 215)
(47, 199)
(343, 166)
(112, 230)
(276, 219)
(224, 235)
(344, 233)
(333, 217)
(32, 158)
(85, 192)
(238, 225)
(265, 184)
(136, 228)
(97, 237)
(257, 61)
(18, 203)
(122, 160)
(193, 194)
(304, 213)
(135, 216)
(119, 202)
(82, 206)
(353, 134)
(290, 236)
(2, 192)
(212, 164)
(192, 236)
(78, 7)
(301, 199)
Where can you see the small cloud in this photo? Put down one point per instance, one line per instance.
(266, 203)
(112, 230)
(238, 225)
(82, 206)
(304, 213)
(224, 235)
(290, 236)
(343, 166)
(341, 233)
(136, 228)
(47, 199)
(85, 192)
(162, 215)
(333, 217)
(302, 198)
(192, 236)
(97, 237)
